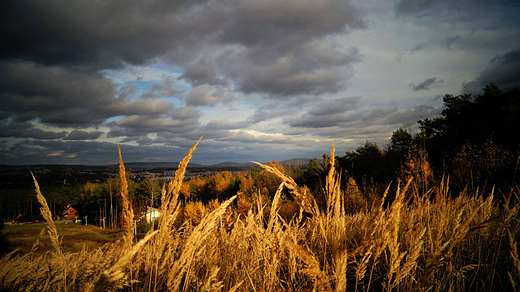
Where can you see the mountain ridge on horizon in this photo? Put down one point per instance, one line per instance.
(153, 165)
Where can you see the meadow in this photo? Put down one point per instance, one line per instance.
(73, 237)
(408, 240)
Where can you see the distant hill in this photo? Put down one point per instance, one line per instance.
(296, 161)
(154, 165)
(234, 164)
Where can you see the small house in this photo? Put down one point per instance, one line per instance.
(70, 213)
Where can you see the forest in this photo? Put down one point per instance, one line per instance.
(435, 209)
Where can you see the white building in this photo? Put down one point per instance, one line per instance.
(151, 214)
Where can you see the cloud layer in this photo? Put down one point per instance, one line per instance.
(259, 79)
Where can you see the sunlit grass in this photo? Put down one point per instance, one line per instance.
(433, 242)
(72, 236)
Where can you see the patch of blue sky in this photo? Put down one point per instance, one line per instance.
(114, 119)
(230, 114)
(165, 67)
(177, 102)
(142, 77)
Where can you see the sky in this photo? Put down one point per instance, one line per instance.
(260, 80)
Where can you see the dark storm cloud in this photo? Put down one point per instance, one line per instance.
(61, 97)
(53, 55)
(83, 135)
(54, 94)
(278, 52)
(90, 35)
(282, 25)
(425, 85)
(10, 128)
(52, 52)
(313, 70)
(503, 71)
(41, 134)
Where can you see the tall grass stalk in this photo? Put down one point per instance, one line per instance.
(128, 211)
(47, 215)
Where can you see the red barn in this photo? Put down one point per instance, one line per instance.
(70, 213)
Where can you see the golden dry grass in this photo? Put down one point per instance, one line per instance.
(430, 242)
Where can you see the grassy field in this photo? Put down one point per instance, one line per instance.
(73, 237)
(413, 242)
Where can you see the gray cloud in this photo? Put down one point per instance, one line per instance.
(280, 108)
(85, 152)
(327, 113)
(335, 106)
(225, 125)
(399, 57)
(165, 88)
(202, 72)
(83, 135)
(404, 7)
(10, 128)
(503, 71)
(449, 41)
(243, 147)
(53, 56)
(264, 114)
(90, 36)
(425, 85)
(411, 6)
(286, 60)
(41, 134)
(54, 95)
(311, 70)
(282, 25)
(178, 121)
(415, 49)
(87, 35)
(61, 97)
(205, 95)
(359, 122)
(411, 116)
(141, 140)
